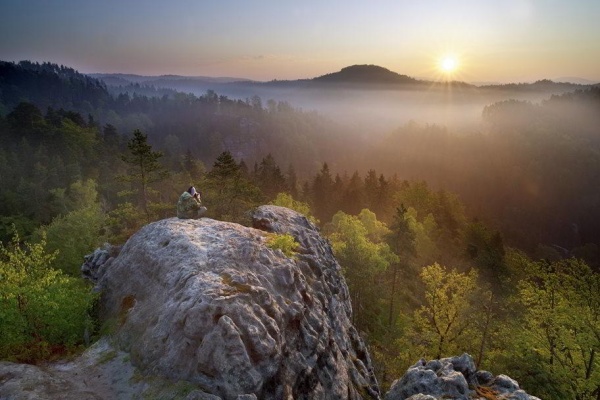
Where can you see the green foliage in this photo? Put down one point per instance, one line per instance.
(269, 178)
(284, 242)
(353, 247)
(76, 233)
(229, 195)
(438, 217)
(362, 261)
(401, 237)
(562, 326)
(15, 223)
(42, 310)
(376, 230)
(26, 119)
(144, 170)
(195, 168)
(286, 200)
(426, 247)
(443, 321)
(486, 249)
(123, 222)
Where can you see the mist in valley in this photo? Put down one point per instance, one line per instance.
(523, 157)
(371, 109)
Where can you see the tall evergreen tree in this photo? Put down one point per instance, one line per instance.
(144, 168)
(353, 199)
(322, 191)
(269, 177)
(230, 194)
(292, 181)
(371, 189)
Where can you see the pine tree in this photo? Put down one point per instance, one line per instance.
(144, 167)
(269, 177)
(230, 193)
(322, 192)
(292, 181)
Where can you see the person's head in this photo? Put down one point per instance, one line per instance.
(192, 190)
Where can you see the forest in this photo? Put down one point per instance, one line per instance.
(481, 241)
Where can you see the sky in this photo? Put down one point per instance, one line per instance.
(489, 41)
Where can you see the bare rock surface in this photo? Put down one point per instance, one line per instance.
(101, 372)
(454, 378)
(209, 302)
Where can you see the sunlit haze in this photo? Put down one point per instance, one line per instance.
(498, 41)
(449, 64)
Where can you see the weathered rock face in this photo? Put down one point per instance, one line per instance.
(210, 303)
(453, 378)
(100, 373)
(94, 264)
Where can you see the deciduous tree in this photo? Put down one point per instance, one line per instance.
(443, 321)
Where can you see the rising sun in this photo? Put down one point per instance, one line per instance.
(449, 64)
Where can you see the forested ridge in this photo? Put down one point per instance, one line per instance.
(480, 242)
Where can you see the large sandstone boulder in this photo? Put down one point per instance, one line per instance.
(454, 378)
(211, 303)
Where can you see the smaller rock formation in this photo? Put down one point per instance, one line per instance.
(94, 263)
(454, 378)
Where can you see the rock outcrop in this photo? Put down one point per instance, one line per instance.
(209, 310)
(211, 303)
(454, 378)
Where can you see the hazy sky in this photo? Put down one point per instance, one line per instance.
(508, 40)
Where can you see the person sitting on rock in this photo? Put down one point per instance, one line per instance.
(189, 205)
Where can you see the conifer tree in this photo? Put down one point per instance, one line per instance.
(144, 167)
(292, 181)
(269, 177)
(322, 191)
(230, 193)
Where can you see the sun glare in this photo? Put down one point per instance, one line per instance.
(448, 64)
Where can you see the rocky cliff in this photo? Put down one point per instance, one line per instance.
(211, 303)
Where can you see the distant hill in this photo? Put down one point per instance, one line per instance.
(116, 79)
(575, 79)
(49, 85)
(157, 86)
(371, 74)
(544, 85)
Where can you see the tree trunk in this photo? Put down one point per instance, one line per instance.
(440, 348)
(392, 295)
(590, 366)
(488, 318)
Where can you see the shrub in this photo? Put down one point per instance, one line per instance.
(42, 310)
(286, 200)
(284, 242)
